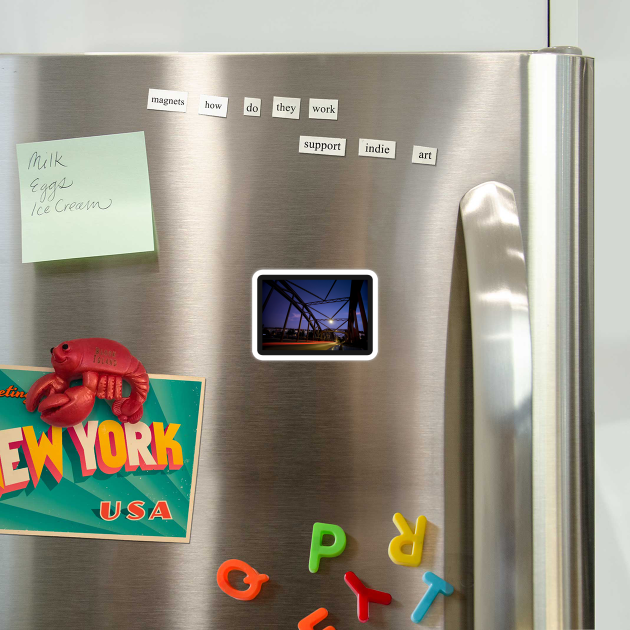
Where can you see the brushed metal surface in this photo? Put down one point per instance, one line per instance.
(560, 275)
(284, 444)
(502, 369)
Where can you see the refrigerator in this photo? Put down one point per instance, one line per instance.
(458, 189)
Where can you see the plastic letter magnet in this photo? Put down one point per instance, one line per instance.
(407, 537)
(365, 596)
(319, 551)
(308, 623)
(436, 586)
(252, 577)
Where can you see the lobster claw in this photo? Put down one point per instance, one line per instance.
(43, 386)
(68, 408)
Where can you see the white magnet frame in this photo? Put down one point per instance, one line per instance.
(330, 356)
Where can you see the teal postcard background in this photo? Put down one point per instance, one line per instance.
(72, 505)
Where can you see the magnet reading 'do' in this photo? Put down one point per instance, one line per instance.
(102, 364)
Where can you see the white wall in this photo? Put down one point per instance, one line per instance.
(604, 27)
(262, 25)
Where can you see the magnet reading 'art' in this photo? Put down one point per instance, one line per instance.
(102, 364)
(252, 577)
(407, 537)
(319, 551)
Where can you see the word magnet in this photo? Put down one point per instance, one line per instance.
(424, 155)
(407, 537)
(365, 595)
(323, 108)
(213, 106)
(322, 146)
(251, 106)
(377, 148)
(167, 100)
(285, 107)
(319, 550)
(252, 577)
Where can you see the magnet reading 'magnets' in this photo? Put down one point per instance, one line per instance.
(103, 364)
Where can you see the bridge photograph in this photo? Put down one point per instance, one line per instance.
(302, 315)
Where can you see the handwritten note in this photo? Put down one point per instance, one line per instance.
(85, 197)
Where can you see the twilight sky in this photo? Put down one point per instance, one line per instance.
(276, 310)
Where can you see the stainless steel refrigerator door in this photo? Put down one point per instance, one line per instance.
(288, 444)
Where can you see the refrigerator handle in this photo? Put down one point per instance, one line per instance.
(502, 374)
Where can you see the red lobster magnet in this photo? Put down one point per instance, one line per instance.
(103, 364)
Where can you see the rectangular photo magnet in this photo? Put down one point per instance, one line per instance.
(315, 315)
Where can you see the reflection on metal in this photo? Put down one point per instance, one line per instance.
(502, 368)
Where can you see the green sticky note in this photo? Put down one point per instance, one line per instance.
(85, 197)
